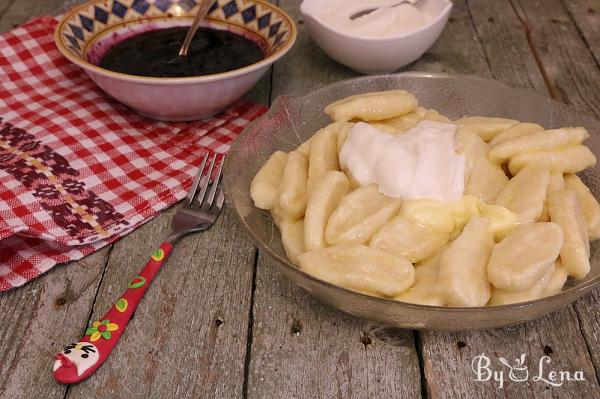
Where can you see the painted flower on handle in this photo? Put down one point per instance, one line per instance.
(101, 329)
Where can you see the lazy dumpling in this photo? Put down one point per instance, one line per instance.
(264, 188)
(564, 209)
(360, 268)
(374, 106)
(525, 193)
(325, 198)
(409, 240)
(462, 278)
(360, 215)
(521, 259)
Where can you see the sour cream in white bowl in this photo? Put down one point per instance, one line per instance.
(381, 41)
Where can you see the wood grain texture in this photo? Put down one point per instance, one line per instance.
(504, 50)
(504, 44)
(563, 34)
(199, 314)
(456, 48)
(448, 359)
(304, 349)
(4, 6)
(306, 67)
(14, 13)
(300, 347)
(572, 72)
(188, 337)
(36, 318)
(586, 16)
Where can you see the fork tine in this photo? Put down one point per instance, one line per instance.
(196, 182)
(215, 184)
(205, 181)
(220, 199)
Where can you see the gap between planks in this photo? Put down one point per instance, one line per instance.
(249, 334)
(91, 312)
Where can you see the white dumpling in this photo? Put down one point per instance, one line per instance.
(564, 209)
(360, 268)
(321, 204)
(264, 189)
(503, 297)
(525, 193)
(360, 215)
(409, 240)
(521, 259)
(462, 279)
(486, 127)
(483, 178)
(292, 238)
(589, 204)
(375, 106)
(323, 156)
(292, 191)
(422, 292)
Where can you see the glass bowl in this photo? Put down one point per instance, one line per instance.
(292, 120)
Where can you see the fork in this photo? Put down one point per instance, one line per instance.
(203, 205)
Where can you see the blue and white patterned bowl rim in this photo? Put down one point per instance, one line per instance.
(85, 22)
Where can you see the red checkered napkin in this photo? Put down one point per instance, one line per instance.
(77, 169)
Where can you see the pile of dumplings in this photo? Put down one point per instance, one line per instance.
(358, 238)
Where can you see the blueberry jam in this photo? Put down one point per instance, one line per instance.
(155, 53)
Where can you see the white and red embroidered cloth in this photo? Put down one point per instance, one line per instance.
(77, 169)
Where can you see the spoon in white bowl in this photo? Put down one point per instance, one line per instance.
(372, 9)
(202, 10)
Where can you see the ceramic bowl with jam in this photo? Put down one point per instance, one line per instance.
(129, 48)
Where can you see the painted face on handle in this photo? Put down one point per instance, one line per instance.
(75, 359)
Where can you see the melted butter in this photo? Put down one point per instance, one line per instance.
(452, 217)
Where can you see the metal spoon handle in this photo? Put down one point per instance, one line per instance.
(202, 10)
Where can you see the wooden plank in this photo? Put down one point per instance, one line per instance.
(188, 338)
(21, 11)
(36, 318)
(54, 309)
(306, 67)
(456, 48)
(304, 349)
(301, 348)
(571, 70)
(564, 44)
(448, 356)
(586, 16)
(4, 6)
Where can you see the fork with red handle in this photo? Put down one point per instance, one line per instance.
(203, 205)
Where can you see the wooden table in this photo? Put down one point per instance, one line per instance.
(221, 322)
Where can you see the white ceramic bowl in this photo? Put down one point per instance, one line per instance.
(378, 55)
(87, 31)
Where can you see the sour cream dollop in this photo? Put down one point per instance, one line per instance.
(420, 163)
